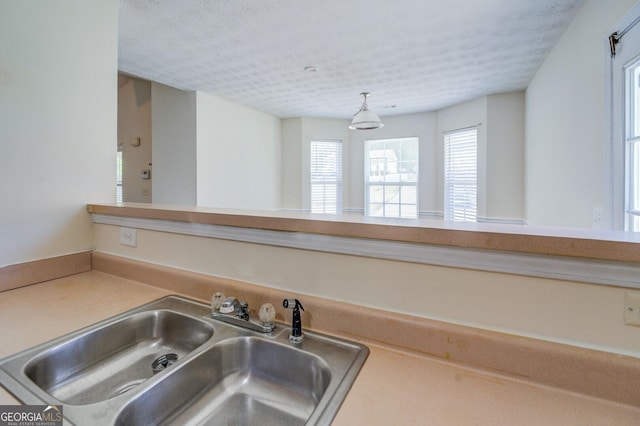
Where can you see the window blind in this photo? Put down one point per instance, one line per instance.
(119, 177)
(460, 175)
(326, 176)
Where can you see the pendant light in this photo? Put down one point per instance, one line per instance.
(365, 119)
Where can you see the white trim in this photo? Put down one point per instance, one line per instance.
(608, 190)
(295, 210)
(626, 20)
(508, 221)
(556, 267)
(431, 214)
(353, 210)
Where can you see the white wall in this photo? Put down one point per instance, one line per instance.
(500, 121)
(505, 156)
(214, 153)
(134, 121)
(58, 89)
(291, 160)
(173, 124)
(565, 136)
(238, 155)
(562, 311)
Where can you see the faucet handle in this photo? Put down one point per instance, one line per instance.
(267, 314)
(216, 301)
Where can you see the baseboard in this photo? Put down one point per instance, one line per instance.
(37, 271)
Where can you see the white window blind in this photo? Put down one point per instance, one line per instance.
(326, 176)
(391, 173)
(460, 175)
(119, 177)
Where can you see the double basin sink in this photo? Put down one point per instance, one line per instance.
(169, 362)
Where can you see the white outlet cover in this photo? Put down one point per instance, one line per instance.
(128, 237)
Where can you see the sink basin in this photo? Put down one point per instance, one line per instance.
(245, 380)
(170, 362)
(111, 360)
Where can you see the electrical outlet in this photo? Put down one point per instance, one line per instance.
(128, 237)
(632, 309)
(597, 218)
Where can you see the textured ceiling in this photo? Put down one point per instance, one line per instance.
(419, 55)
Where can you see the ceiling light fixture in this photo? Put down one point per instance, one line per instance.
(365, 119)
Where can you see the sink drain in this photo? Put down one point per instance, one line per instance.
(163, 361)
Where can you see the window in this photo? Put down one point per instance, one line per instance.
(622, 163)
(391, 171)
(326, 176)
(633, 146)
(119, 177)
(460, 175)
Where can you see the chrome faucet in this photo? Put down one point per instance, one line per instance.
(232, 304)
(296, 335)
(236, 312)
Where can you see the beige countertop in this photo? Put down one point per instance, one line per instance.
(572, 242)
(394, 387)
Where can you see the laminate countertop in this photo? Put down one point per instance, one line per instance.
(393, 387)
(573, 242)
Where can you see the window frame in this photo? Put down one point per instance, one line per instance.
(632, 145)
(617, 160)
(400, 184)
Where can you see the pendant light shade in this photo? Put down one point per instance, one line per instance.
(365, 119)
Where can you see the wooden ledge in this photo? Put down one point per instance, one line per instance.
(580, 243)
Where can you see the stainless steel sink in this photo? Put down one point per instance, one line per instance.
(240, 379)
(110, 360)
(169, 362)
